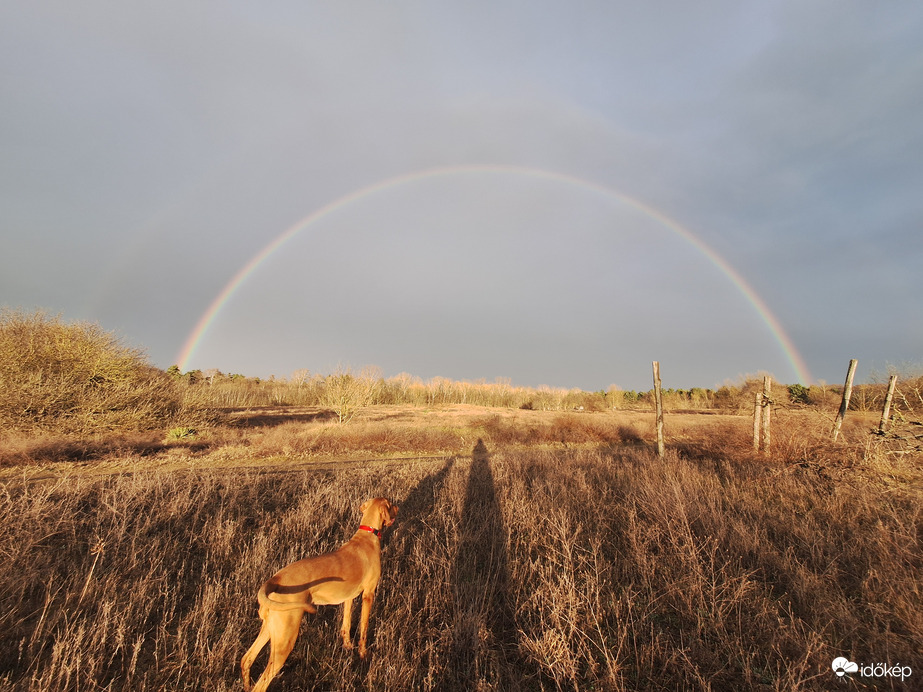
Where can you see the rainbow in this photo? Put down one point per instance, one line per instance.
(201, 328)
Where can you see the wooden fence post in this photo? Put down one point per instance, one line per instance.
(767, 411)
(844, 404)
(886, 411)
(658, 402)
(757, 420)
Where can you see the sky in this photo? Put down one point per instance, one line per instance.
(554, 193)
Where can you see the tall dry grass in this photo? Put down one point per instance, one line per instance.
(574, 568)
(216, 390)
(222, 392)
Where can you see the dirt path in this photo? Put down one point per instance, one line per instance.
(62, 471)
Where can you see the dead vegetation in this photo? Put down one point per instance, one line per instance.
(541, 543)
(77, 379)
(578, 561)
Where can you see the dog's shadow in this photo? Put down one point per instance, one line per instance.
(417, 505)
(481, 587)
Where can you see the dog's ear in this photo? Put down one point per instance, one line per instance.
(365, 506)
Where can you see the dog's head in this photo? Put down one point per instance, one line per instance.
(381, 508)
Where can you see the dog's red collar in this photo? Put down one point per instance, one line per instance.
(377, 532)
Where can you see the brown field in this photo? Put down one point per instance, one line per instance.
(565, 556)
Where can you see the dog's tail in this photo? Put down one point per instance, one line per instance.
(267, 602)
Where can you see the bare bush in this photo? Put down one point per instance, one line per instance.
(347, 392)
(77, 378)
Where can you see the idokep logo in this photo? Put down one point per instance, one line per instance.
(841, 666)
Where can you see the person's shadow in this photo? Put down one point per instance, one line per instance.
(485, 640)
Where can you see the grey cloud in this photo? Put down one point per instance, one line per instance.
(154, 149)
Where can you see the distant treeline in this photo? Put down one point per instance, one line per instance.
(212, 388)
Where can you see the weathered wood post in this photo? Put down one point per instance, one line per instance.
(886, 411)
(658, 403)
(844, 404)
(757, 420)
(767, 411)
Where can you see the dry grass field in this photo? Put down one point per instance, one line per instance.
(533, 550)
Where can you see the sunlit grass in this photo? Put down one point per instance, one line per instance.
(580, 562)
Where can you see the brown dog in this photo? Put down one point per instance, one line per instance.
(336, 577)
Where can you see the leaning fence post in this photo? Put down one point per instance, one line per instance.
(658, 403)
(844, 404)
(757, 420)
(886, 411)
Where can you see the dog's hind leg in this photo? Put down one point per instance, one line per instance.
(283, 632)
(247, 661)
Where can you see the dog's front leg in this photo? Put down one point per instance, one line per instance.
(347, 622)
(368, 597)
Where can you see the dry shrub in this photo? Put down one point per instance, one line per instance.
(346, 392)
(76, 378)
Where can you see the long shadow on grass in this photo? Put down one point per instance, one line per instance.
(271, 416)
(485, 640)
(399, 545)
(421, 502)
